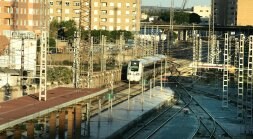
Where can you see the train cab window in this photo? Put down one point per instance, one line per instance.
(135, 63)
(134, 66)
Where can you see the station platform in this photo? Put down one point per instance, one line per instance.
(28, 107)
(110, 123)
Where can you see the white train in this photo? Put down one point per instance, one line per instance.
(135, 68)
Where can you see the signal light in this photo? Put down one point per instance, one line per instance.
(24, 87)
(25, 73)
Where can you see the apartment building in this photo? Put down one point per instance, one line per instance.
(19, 15)
(105, 14)
(233, 12)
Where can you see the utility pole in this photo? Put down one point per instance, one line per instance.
(248, 117)
(43, 50)
(170, 32)
(211, 54)
(23, 73)
(249, 98)
(240, 97)
(76, 63)
(85, 23)
(225, 74)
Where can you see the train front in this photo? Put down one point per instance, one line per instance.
(134, 71)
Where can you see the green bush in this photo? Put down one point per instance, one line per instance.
(59, 74)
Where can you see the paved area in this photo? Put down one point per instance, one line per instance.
(109, 123)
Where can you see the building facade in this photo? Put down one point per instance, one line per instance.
(64, 10)
(204, 12)
(19, 15)
(233, 12)
(105, 14)
(245, 13)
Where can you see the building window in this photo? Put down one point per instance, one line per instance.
(111, 4)
(95, 4)
(103, 27)
(76, 19)
(119, 12)
(104, 4)
(111, 20)
(30, 11)
(110, 27)
(134, 4)
(51, 11)
(103, 19)
(76, 3)
(30, 22)
(66, 11)
(95, 27)
(111, 12)
(119, 5)
(95, 19)
(127, 20)
(103, 12)
(51, 3)
(118, 27)
(58, 10)
(127, 5)
(118, 20)
(77, 11)
(7, 21)
(95, 12)
(127, 12)
(127, 28)
(8, 9)
(59, 19)
(66, 18)
(66, 3)
(58, 2)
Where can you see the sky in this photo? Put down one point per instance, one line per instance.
(177, 3)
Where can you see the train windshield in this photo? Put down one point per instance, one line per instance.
(134, 65)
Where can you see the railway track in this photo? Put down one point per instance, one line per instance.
(153, 123)
(208, 126)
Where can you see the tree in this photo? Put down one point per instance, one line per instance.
(52, 45)
(65, 29)
(54, 26)
(194, 18)
(181, 18)
(69, 28)
(60, 74)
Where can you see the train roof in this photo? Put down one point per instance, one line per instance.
(150, 59)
